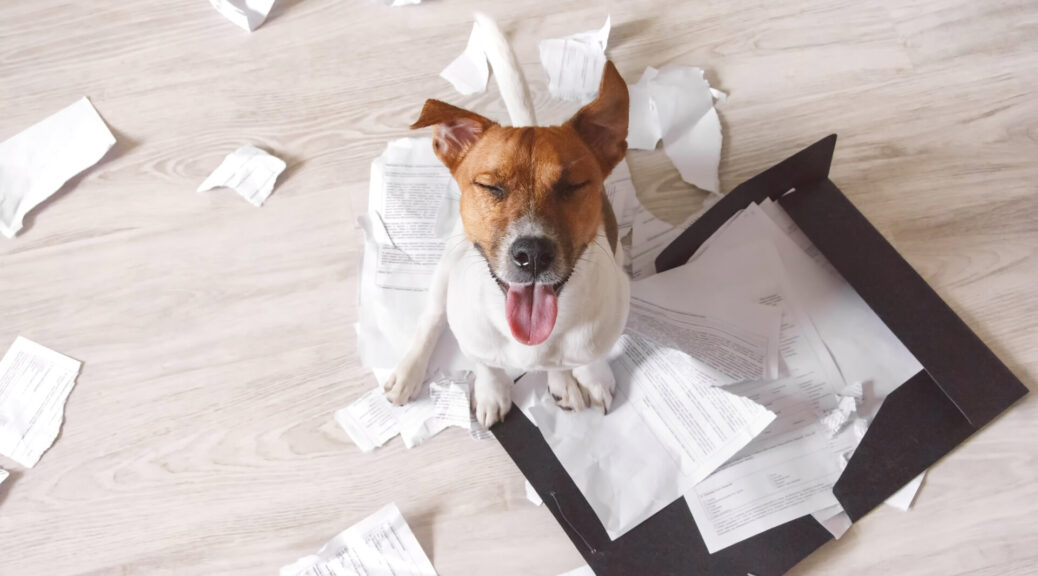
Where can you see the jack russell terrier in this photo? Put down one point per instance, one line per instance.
(537, 282)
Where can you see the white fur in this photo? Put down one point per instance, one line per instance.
(509, 78)
(592, 306)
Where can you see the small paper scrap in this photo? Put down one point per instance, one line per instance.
(372, 420)
(469, 72)
(3, 475)
(34, 383)
(676, 104)
(836, 419)
(903, 498)
(246, 14)
(584, 570)
(36, 163)
(248, 170)
(574, 64)
(382, 544)
(532, 495)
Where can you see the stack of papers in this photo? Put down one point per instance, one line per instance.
(382, 544)
(34, 384)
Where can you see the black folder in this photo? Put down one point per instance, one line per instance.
(962, 387)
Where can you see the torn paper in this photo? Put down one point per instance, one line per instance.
(34, 384)
(833, 519)
(245, 14)
(380, 545)
(412, 218)
(469, 72)
(836, 419)
(372, 420)
(532, 495)
(691, 130)
(903, 498)
(3, 475)
(661, 435)
(249, 171)
(644, 130)
(36, 163)
(574, 64)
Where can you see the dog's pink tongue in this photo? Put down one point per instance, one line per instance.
(531, 311)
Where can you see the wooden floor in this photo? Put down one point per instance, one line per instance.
(217, 338)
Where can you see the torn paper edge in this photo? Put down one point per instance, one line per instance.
(470, 71)
(229, 174)
(250, 16)
(595, 41)
(95, 131)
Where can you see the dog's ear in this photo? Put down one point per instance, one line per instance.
(602, 124)
(456, 130)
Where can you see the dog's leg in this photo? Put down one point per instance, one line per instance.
(407, 378)
(597, 378)
(590, 385)
(492, 395)
(567, 392)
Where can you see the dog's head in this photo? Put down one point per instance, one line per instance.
(532, 198)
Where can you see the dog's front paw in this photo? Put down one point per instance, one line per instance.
(492, 396)
(567, 392)
(597, 379)
(403, 384)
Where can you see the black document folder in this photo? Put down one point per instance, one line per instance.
(962, 387)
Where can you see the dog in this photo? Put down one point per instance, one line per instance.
(537, 280)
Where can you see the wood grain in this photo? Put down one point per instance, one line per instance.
(217, 338)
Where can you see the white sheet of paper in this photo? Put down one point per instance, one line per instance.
(246, 14)
(628, 470)
(903, 498)
(732, 341)
(3, 475)
(532, 495)
(372, 420)
(34, 383)
(644, 130)
(412, 218)
(862, 346)
(469, 72)
(248, 170)
(36, 163)
(690, 127)
(380, 545)
(584, 570)
(833, 519)
(574, 64)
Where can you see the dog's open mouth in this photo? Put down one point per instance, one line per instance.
(531, 309)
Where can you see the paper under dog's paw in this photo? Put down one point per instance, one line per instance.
(598, 380)
(403, 384)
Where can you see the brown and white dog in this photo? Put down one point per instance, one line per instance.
(538, 281)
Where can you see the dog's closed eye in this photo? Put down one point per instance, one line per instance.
(566, 190)
(498, 192)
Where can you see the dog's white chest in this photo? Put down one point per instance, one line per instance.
(592, 312)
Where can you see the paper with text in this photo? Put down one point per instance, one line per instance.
(372, 420)
(574, 64)
(731, 340)
(380, 545)
(37, 162)
(245, 14)
(34, 384)
(660, 436)
(412, 218)
(250, 171)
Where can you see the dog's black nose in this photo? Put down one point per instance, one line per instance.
(532, 254)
